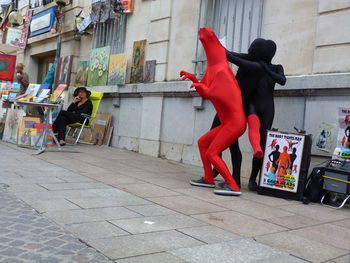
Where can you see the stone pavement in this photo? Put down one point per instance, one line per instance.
(135, 208)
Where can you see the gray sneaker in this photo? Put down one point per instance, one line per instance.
(224, 189)
(202, 183)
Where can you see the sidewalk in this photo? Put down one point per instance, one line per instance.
(135, 208)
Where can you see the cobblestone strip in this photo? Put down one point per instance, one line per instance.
(26, 236)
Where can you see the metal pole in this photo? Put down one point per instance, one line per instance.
(251, 14)
(199, 24)
(220, 11)
(261, 10)
(227, 14)
(242, 24)
(212, 24)
(234, 25)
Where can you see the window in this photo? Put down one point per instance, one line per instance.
(110, 33)
(237, 22)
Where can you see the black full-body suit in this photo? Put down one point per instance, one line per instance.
(256, 77)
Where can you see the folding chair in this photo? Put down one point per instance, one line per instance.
(95, 98)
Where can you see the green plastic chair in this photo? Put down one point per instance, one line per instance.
(95, 98)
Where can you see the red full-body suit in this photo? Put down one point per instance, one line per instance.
(219, 85)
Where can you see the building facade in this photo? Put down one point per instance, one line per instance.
(164, 118)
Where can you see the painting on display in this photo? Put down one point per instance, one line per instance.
(98, 67)
(13, 36)
(57, 93)
(7, 67)
(325, 137)
(63, 70)
(117, 69)
(149, 71)
(282, 161)
(138, 60)
(82, 74)
(26, 131)
(13, 118)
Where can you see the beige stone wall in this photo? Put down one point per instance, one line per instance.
(291, 24)
(312, 36)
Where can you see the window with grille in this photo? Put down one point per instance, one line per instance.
(236, 22)
(110, 33)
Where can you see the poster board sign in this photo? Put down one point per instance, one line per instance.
(285, 165)
(344, 123)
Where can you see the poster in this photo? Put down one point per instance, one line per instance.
(63, 70)
(13, 36)
(13, 118)
(98, 67)
(150, 71)
(7, 67)
(82, 73)
(325, 137)
(26, 131)
(282, 161)
(138, 57)
(344, 126)
(117, 69)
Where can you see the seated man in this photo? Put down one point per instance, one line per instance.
(80, 105)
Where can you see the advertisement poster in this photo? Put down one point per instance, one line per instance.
(325, 137)
(344, 126)
(282, 161)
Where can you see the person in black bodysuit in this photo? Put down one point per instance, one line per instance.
(256, 77)
(273, 157)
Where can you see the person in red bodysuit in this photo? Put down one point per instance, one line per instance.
(218, 85)
(284, 162)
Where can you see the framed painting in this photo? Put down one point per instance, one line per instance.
(150, 71)
(138, 60)
(82, 74)
(117, 69)
(63, 70)
(13, 118)
(98, 67)
(27, 131)
(7, 67)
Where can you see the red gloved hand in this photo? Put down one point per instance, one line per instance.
(202, 90)
(187, 75)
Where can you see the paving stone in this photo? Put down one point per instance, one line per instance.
(24, 243)
(96, 202)
(95, 230)
(343, 223)
(301, 247)
(57, 205)
(91, 215)
(151, 210)
(209, 234)
(148, 190)
(242, 250)
(153, 258)
(343, 259)
(239, 224)
(256, 210)
(317, 212)
(142, 244)
(187, 205)
(65, 186)
(156, 223)
(294, 221)
(331, 235)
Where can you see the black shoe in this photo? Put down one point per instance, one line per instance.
(202, 183)
(62, 144)
(215, 173)
(224, 189)
(253, 186)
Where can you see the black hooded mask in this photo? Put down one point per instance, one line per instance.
(262, 49)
